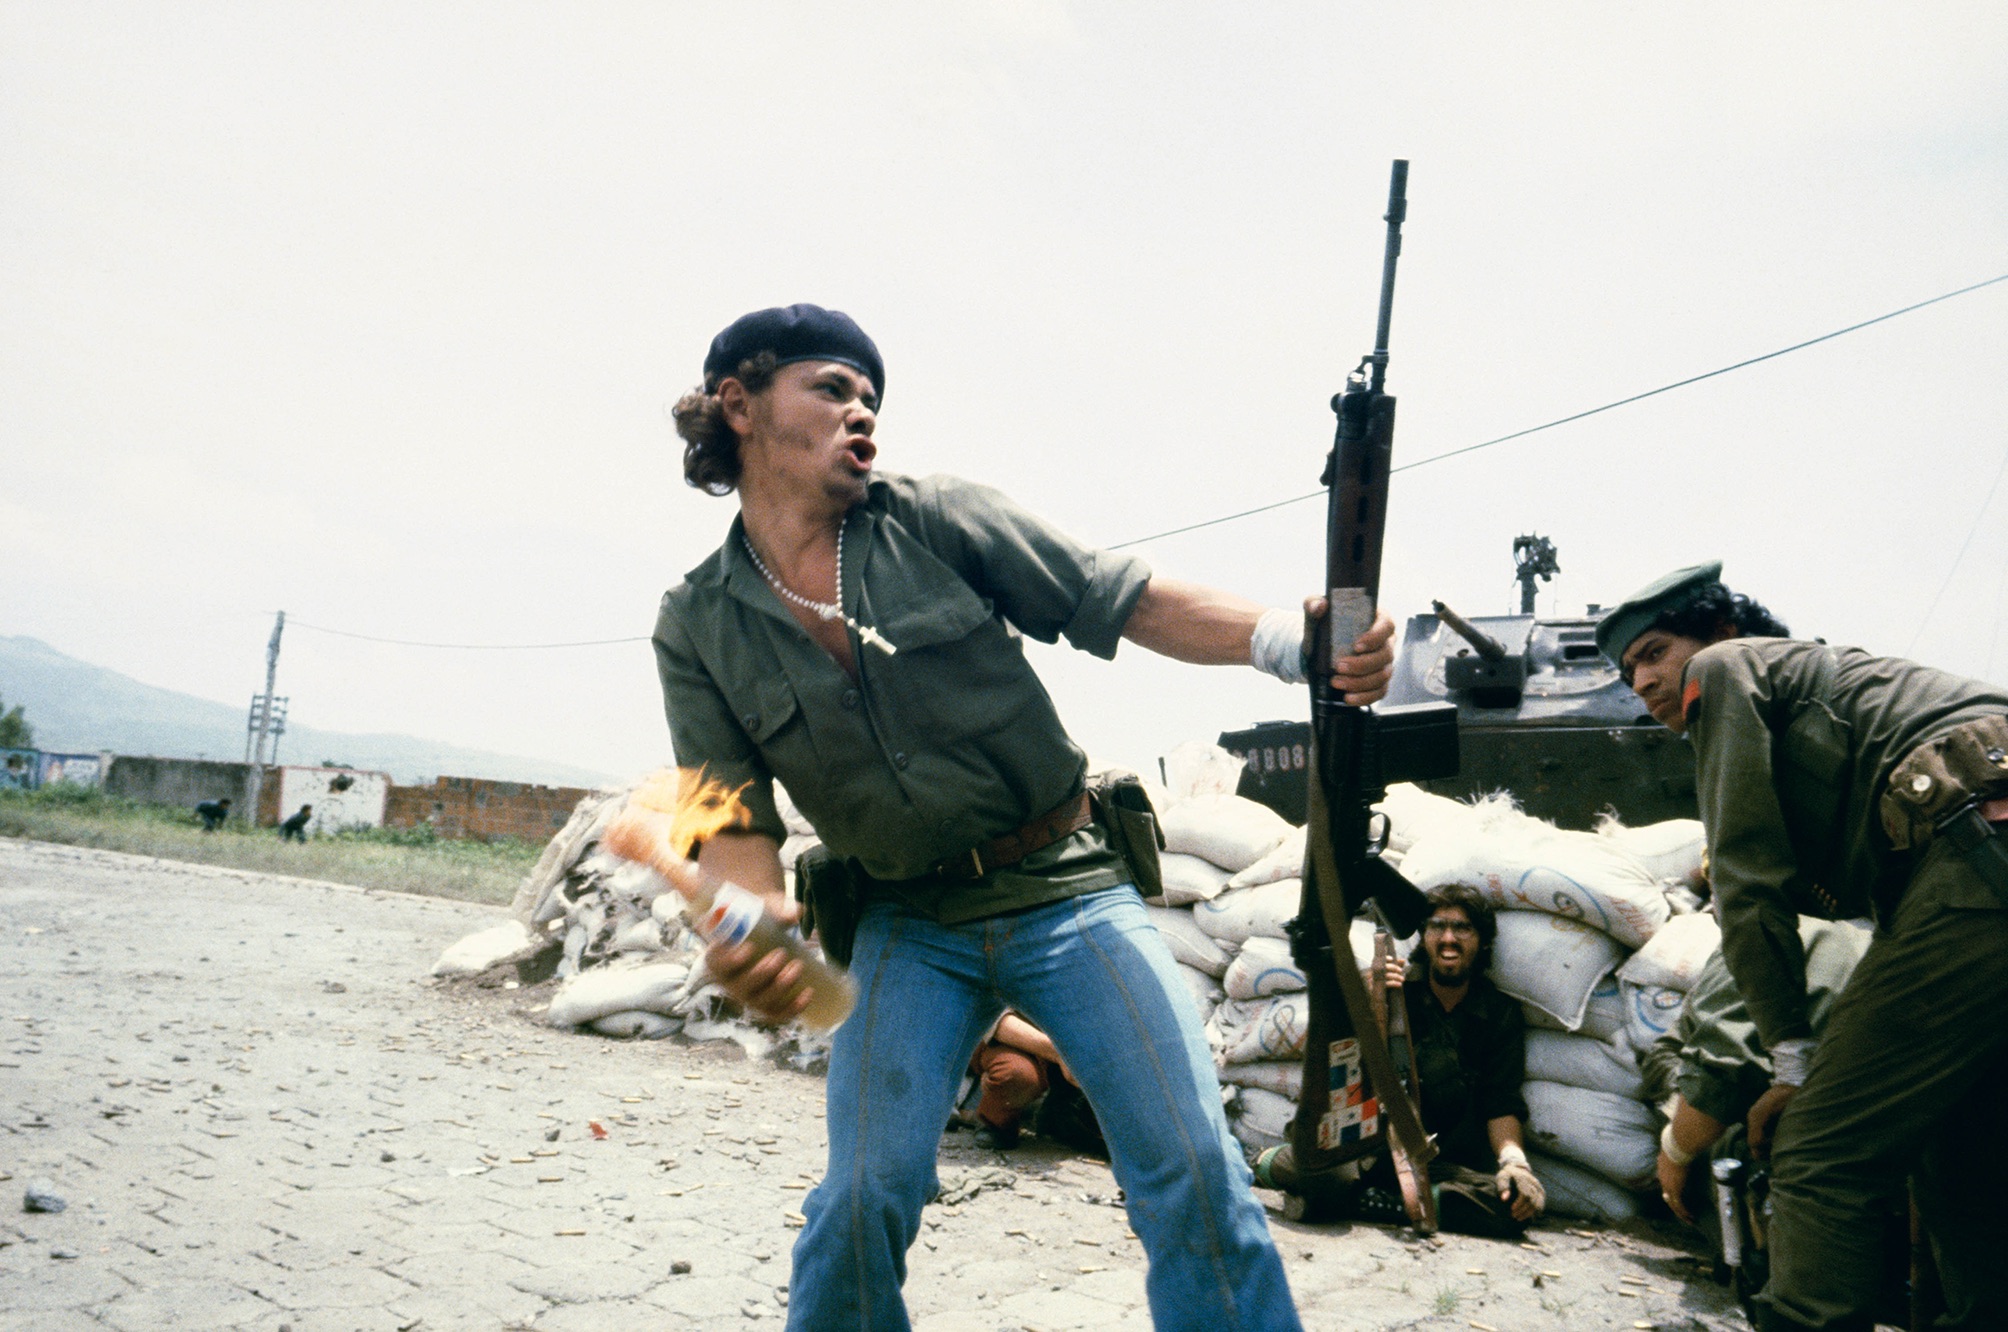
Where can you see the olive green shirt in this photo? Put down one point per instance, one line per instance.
(935, 749)
(1712, 1056)
(1793, 744)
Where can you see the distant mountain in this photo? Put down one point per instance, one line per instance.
(76, 707)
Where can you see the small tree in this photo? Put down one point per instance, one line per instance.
(15, 733)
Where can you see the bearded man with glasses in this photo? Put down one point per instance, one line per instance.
(1471, 1052)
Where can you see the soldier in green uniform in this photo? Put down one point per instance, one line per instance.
(1839, 784)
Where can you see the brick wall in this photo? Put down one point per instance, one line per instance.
(479, 808)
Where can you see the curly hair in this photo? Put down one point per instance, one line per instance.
(710, 447)
(1473, 904)
(1711, 607)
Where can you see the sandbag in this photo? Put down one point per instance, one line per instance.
(1551, 962)
(483, 949)
(1650, 1012)
(1246, 913)
(1206, 991)
(1188, 943)
(1189, 879)
(1228, 830)
(603, 991)
(1196, 768)
(1413, 814)
(1673, 958)
(1262, 968)
(1242, 1031)
(1285, 862)
(1285, 1077)
(1581, 1195)
(1263, 1116)
(1671, 851)
(1613, 1135)
(637, 1025)
(1581, 1061)
(1520, 864)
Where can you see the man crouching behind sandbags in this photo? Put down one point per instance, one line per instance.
(1471, 1055)
(1837, 784)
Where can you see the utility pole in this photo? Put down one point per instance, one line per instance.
(267, 723)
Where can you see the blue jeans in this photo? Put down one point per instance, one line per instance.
(1092, 973)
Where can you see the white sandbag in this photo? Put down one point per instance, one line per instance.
(1612, 1135)
(757, 1044)
(797, 846)
(1650, 1012)
(1264, 1118)
(1228, 830)
(1671, 851)
(1206, 991)
(1242, 1031)
(1577, 1194)
(1263, 967)
(1414, 814)
(1521, 864)
(482, 950)
(1188, 943)
(1189, 879)
(1581, 1061)
(1673, 957)
(792, 818)
(1551, 962)
(1603, 1016)
(1196, 768)
(638, 936)
(1285, 1077)
(1285, 862)
(637, 1025)
(601, 991)
(1248, 913)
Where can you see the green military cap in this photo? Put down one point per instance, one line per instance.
(1624, 622)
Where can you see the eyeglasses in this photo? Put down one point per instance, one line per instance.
(1458, 929)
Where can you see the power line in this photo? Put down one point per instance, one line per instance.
(467, 647)
(1961, 556)
(1577, 416)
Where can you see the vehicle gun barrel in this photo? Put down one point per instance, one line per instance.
(1488, 647)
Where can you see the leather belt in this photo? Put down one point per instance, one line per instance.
(1063, 820)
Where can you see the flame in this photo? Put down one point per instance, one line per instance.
(697, 807)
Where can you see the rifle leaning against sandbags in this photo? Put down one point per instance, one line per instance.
(1353, 1104)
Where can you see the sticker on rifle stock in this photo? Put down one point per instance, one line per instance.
(733, 914)
(1353, 1115)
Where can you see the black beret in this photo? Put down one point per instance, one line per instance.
(1624, 622)
(795, 333)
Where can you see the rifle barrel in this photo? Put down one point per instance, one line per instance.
(1397, 212)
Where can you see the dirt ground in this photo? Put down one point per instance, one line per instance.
(262, 1114)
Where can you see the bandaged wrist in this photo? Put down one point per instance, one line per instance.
(1278, 647)
(1790, 1060)
(1672, 1148)
(1512, 1155)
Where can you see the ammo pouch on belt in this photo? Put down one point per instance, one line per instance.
(1124, 810)
(1935, 792)
(831, 901)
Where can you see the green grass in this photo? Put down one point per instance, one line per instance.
(407, 860)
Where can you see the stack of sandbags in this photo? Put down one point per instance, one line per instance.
(628, 965)
(1573, 910)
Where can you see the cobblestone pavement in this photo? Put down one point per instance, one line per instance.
(263, 1115)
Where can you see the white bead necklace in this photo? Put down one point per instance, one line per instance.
(828, 610)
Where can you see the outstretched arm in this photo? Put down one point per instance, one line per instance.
(1208, 627)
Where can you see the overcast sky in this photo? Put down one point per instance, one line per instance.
(373, 312)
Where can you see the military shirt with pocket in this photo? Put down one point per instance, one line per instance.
(1794, 743)
(950, 741)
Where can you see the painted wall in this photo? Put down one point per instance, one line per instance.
(76, 769)
(359, 803)
(19, 769)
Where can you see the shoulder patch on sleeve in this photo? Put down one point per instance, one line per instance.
(1690, 699)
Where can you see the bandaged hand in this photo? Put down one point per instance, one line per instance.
(1281, 646)
(1518, 1185)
